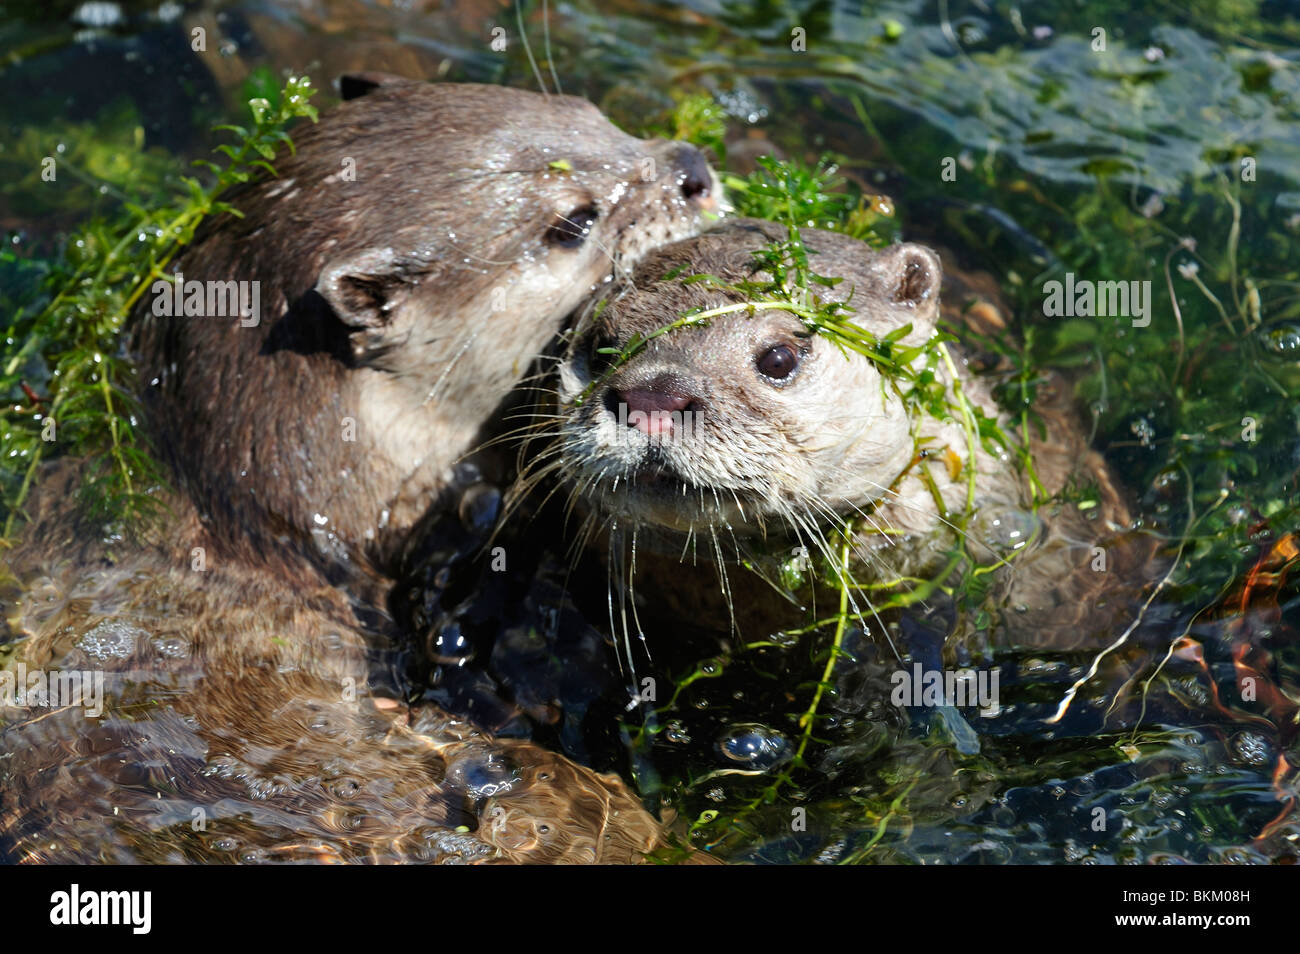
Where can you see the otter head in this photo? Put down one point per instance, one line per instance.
(506, 206)
(420, 247)
(749, 419)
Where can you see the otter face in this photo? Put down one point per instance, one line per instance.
(750, 418)
(529, 204)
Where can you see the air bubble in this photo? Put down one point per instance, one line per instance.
(755, 746)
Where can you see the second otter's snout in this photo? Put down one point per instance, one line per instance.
(656, 409)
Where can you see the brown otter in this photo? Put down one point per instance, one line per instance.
(752, 425)
(420, 247)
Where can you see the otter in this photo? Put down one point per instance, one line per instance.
(420, 247)
(751, 426)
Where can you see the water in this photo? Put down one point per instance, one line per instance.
(1006, 135)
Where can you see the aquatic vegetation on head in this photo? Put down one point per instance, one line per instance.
(64, 374)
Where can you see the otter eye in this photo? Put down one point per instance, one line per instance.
(778, 362)
(570, 231)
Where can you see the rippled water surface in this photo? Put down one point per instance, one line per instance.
(1001, 133)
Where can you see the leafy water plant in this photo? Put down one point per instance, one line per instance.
(811, 196)
(64, 372)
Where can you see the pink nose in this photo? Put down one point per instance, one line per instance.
(651, 411)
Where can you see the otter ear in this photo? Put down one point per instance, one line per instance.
(909, 275)
(363, 289)
(354, 85)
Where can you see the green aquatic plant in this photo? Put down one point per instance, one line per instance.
(816, 196)
(780, 190)
(64, 373)
(68, 170)
(695, 117)
(1225, 492)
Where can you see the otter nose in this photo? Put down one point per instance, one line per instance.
(651, 410)
(695, 177)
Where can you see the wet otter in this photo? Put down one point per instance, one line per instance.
(306, 437)
(751, 426)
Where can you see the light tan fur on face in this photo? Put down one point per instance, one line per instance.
(833, 435)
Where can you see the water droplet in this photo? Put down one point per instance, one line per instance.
(172, 647)
(676, 732)
(449, 645)
(479, 506)
(1143, 430)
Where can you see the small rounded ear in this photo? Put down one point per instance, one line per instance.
(910, 274)
(364, 288)
(354, 85)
